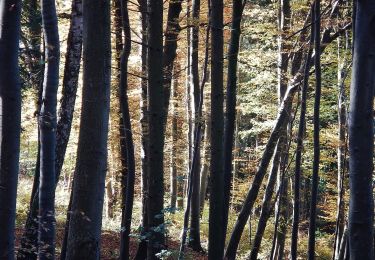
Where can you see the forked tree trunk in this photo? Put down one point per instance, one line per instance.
(10, 125)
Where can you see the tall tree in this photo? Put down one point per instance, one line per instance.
(91, 166)
(10, 124)
(299, 150)
(361, 145)
(216, 220)
(142, 248)
(47, 128)
(316, 160)
(195, 97)
(128, 178)
(155, 97)
(234, 44)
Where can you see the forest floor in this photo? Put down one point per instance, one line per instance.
(110, 246)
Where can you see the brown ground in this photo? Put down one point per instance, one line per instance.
(111, 245)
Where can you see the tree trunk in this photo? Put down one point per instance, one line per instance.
(70, 84)
(266, 205)
(155, 97)
(91, 166)
(10, 125)
(205, 162)
(316, 159)
(142, 248)
(174, 153)
(47, 123)
(299, 150)
(234, 44)
(216, 220)
(128, 173)
(361, 145)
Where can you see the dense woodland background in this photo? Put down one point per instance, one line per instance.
(187, 129)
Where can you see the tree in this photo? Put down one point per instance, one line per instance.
(128, 173)
(47, 123)
(88, 188)
(316, 160)
(216, 220)
(299, 150)
(234, 44)
(361, 145)
(10, 124)
(155, 97)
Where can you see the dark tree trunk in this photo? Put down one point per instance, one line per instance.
(142, 248)
(91, 167)
(234, 44)
(129, 171)
(266, 205)
(299, 150)
(361, 145)
(205, 162)
(69, 90)
(70, 84)
(10, 124)
(174, 153)
(259, 176)
(47, 128)
(216, 220)
(316, 160)
(170, 47)
(155, 97)
(197, 94)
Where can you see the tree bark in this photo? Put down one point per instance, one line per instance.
(299, 150)
(234, 44)
(10, 125)
(216, 220)
(155, 97)
(266, 205)
(128, 173)
(91, 166)
(47, 123)
(316, 159)
(361, 145)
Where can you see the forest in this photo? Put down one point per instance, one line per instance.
(187, 129)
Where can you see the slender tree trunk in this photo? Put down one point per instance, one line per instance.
(170, 47)
(234, 44)
(174, 152)
(266, 205)
(47, 122)
(70, 84)
(142, 248)
(341, 149)
(129, 171)
(88, 188)
(299, 150)
(205, 162)
(155, 97)
(361, 145)
(316, 160)
(194, 232)
(10, 125)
